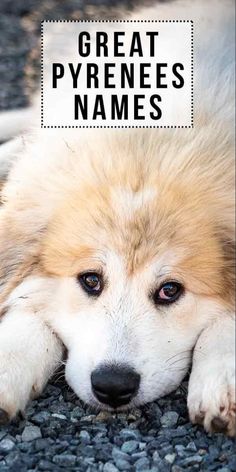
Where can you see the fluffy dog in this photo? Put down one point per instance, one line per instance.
(119, 245)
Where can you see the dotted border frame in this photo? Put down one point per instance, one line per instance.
(117, 21)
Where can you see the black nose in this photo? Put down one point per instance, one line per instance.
(115, 385)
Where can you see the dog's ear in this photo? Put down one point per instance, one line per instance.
(18, 254)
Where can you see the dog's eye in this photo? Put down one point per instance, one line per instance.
(169, 292)
(91, 282)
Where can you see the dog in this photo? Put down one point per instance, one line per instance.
(119, 245)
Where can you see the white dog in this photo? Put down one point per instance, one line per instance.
(119, 244)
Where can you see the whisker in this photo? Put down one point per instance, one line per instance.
(179, 360)
(178, 369)
(178, 354)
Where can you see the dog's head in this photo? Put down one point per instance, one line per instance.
(130, 265)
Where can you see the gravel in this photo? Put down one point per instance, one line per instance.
(57, 432)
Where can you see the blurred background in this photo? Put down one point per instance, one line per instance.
(20, 33)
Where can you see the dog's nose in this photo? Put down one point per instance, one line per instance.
(115, 385)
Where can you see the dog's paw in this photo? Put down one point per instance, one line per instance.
(15, 394)
(211, 397)
(16, 387)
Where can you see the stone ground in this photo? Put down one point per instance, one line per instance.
(58, 433)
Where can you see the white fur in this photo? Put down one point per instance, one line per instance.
(29, 354)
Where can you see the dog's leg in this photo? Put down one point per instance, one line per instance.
(29, 354)
(211, 397)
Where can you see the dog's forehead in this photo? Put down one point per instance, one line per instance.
(143, 239)
(126, 201)
(118, 220)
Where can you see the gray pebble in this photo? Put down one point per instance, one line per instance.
(156, 457)
(180, 431)
(138, 455)
(41, 444)
(179, 448)
(41, 417)
(129, 446)
(169, 419)
(6, 445)
(170, 458)
(167, 449)
(142, 464)
(59, 416)
(191, 447)
(64, 460)
(30, 433)
(84, 436)
(118, 454)
(122, 464)
(142, 445)
(46, 465)
(109, 467)
(192, 460)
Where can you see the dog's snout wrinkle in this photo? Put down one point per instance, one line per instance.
(115, 385)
